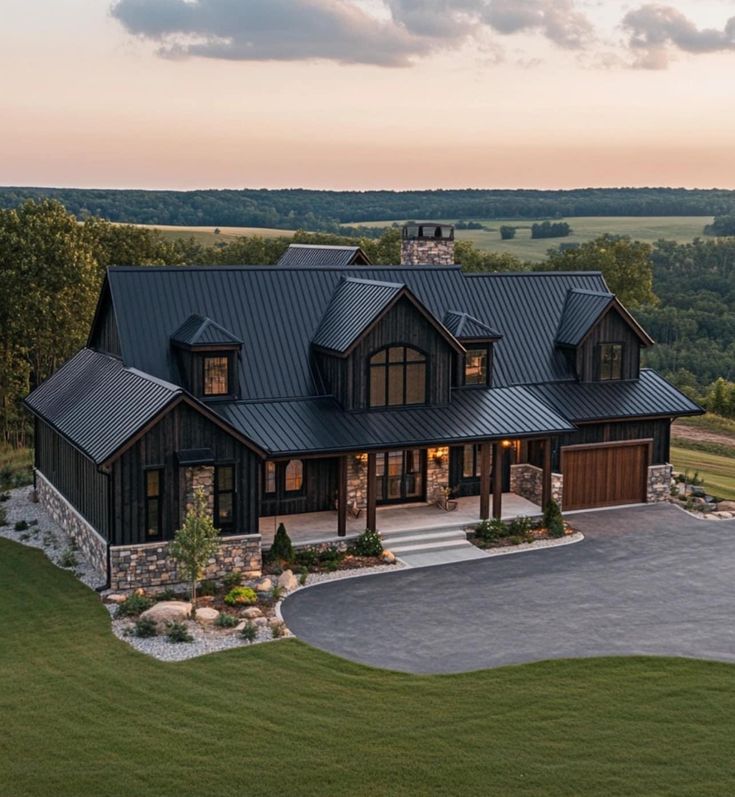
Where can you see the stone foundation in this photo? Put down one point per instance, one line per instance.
(89, 541)
(659, 483)
(148, 565)
(527, 481)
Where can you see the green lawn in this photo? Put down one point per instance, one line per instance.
(717, 471)
(207, 237)
(83, 714)
(584, 228)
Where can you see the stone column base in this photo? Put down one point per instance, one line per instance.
(659, 483)
(527, 481)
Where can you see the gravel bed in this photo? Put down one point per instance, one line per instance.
(535, 545)
(45, 534)
(318, 578)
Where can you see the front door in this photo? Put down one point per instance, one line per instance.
(400, 476)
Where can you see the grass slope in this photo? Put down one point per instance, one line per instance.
(718, 471)
(83, 714)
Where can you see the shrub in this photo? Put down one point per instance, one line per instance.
(249, 632)
(178, 632)
(303, 575)
(21, 525)
(144, 627)
(520, 526)
(226, 620)
(133, 605)
(166, 595)
(553, 520)
(3, 516)
(282, 548)
(491, 530)
(306, 557)
(232, 580)
(241, 596)
(368, 544)
(329, 555)
(278, 630)
(207, 587)
(68, 558)
(4, 496)
(277, 592)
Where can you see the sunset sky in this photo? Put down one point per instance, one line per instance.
(367, 93)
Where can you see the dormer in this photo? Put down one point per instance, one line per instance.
(207, 355)
(475, 368)
(601, 338)
(378, 347)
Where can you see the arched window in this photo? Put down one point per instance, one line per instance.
(294, 476)
(397, 377)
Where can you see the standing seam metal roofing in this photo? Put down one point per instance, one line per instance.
(581, 311)
(316, 255)
(464, 327)
(200, 331)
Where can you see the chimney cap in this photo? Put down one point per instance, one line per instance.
(432, 230)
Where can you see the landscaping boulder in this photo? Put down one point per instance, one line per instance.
(167, 612)
(116, 597)
(288, 580)
(251, 613)
(206, 615)
(264, 585)
(388, 557)
(726, 506)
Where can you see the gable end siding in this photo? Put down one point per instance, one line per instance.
(611, 328)
(104, 335)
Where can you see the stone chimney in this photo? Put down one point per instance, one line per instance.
(427, 243)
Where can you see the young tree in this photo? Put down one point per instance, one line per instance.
(195, 542)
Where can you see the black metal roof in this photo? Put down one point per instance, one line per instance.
(649, 396)
(200, 331)
(315, 255)
(303, 426)
(98, 404)
(582, 309)
(355, 304)
(277, 311)
(465, 327)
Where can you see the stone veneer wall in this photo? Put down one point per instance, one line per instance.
(199, 476)
(427, 251)
(148, 565)
(89, 541)
(527, 481)
(659, 483)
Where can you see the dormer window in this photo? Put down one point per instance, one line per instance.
(397, 377)
(216, 375)
(611, 361)
(476, 366)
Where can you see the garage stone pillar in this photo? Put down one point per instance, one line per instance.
(497, 481)
(371, 493)
(342, 498)
(484, 481)
(546, 475)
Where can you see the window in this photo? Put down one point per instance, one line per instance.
(153, 493)
(475, 367)
(216, 375)
(611, 361)
(397, 377)
(471, 461)
(270, 477)
(294, 476)
(224, 497)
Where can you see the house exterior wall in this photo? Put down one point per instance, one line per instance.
(104, 335)
(611, 328)
(657, 430)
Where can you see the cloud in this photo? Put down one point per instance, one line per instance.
(656, 31)
(338, 30)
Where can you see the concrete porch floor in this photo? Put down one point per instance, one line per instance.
(317, 527)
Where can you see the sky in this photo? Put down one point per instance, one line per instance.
(362, 94)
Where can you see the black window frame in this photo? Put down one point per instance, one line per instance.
(475, 462)
(216, 355)
(266, 466)
(148, 499)
(228, 528)
(482, 347)
(601, 349)
(300, 489)
(385, 367)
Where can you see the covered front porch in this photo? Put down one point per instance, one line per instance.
(311, 528)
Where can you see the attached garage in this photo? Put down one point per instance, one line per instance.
(606, 474)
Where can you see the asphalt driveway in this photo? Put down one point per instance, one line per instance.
(646, 580)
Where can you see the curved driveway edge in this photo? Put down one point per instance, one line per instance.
(646, 580)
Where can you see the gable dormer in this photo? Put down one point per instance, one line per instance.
(207, 356)
(377, 346)
(601, 338)
(475, 368)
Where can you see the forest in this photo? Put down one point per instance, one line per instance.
(326, 210)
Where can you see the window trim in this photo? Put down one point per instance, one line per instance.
(479, 347)
(230, 527)
(266, 465)
(147, 499)
(600, 353)
(425, 361)
(212, 355)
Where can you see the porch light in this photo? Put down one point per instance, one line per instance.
(439, 454)
(507, 443)
(361, 459)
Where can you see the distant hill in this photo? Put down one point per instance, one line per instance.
(327, 210)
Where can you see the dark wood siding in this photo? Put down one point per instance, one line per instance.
(334, 376)
(182, 428)
(75, 476)
(403, 325)
(318, 494)
(611, 328)
(104, 335)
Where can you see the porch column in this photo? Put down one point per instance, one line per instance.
(342, 498)
(546, 475)
(497, 481)
(484, 481)
(371, 490)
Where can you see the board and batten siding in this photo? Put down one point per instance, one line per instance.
(319, 491)
(74, 475)
(105, 337)
(181, 429)
(611, 328)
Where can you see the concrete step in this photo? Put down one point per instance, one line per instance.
(391, 540)
(399, 534)
(420, 547)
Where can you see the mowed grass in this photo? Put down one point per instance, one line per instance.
(207, 236)
(585, 228)
(84, 714)
(717, 471)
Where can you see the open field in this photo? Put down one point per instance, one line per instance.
(585, 228)
(84, 714)
(207, 236)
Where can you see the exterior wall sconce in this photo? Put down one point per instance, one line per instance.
(439, 454)
(507, 443)
(361, 459)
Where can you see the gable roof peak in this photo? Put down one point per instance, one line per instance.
(466, 327)
(199, 330)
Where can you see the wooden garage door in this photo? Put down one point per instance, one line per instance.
(605, 475)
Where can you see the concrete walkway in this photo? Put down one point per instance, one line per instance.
(646, 580)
